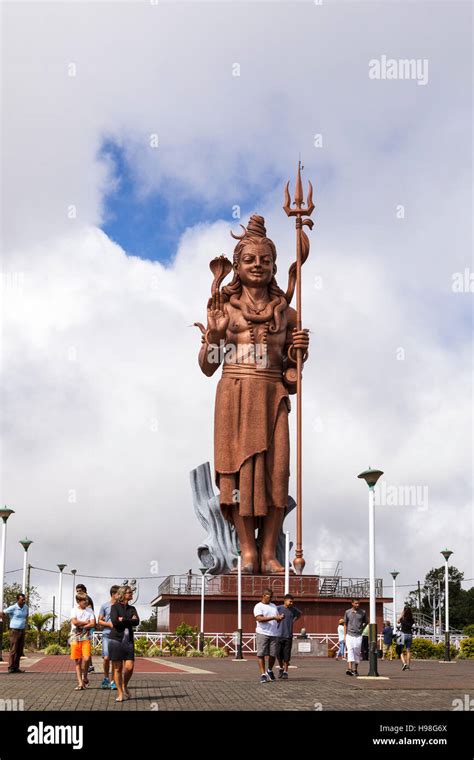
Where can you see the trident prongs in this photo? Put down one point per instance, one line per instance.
(298, 202)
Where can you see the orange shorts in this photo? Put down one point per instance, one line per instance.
(80, 649)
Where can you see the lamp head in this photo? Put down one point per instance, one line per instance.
(61, 568)
(203, 570)
(26, 543)
(6, 512)
(446, 554)
(394, 574)
(370, 476)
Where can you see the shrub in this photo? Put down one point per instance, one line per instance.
(468, 630)
(423, 649)
(467, 648)
(174, 648)
(184, 631)
(439, 651)
(194, 653)
(55, 649)
(156, 651)
(187, 634)
(213, 651)
(142, 645)
(179, 650)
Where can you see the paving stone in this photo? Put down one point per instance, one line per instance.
(316, 684)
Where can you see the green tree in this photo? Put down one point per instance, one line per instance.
(148, 626)
(461, 601)
(461, 609)
(38, 621)
(434, 580)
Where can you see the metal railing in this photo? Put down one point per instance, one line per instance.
(229, 640)
(300, 586)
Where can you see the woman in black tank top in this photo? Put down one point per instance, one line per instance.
(406, 624)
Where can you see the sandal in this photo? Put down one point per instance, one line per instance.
(79, 688)
(85, 682)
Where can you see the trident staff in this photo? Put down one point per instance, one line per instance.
(302, 250)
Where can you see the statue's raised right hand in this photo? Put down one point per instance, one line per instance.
(217, 320)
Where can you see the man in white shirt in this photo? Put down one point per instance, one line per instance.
(267, 616)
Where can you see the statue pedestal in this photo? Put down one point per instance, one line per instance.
(321, 610)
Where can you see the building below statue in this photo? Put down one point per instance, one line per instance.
(322, 600)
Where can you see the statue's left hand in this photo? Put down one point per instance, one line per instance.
(300, 339)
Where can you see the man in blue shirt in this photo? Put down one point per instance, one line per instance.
(290, 613)
(18, 614)
(106, 623)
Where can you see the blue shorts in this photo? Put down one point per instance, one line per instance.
(407, 640)
(105, 645)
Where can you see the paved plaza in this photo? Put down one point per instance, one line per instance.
(182, 684)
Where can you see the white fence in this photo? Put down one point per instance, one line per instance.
(229, 640)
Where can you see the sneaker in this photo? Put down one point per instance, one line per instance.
(284, 676)
(404, 667)
(264, 678)
(113, 686)
(105, 684)
(91, 669)
(270, 674)
(280, 672)
(349, 672)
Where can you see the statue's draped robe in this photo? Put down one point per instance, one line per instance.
(251, 440)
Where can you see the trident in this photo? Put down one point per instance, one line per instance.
(301, 256)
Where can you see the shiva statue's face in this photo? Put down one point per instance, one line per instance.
(256, 266)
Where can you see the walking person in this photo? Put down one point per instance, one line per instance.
(18, 614)
(387, 640)
(355, 620)
(106, 625)
(340, 635)
(82, 622)
(124, 618)
(81, 589)
(406, 625)
(285, 633)
(267, 616)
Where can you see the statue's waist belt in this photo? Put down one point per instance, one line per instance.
(251, 370)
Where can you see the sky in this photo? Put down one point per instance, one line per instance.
(135, 136)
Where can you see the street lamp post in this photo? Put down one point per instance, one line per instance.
(394, 574)
(201, 634)
(26, 543)
(371, 477)
(239, 606)
(447, 653)
(4, 514)
(60, 599)
(73, 573)
(287, 562)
